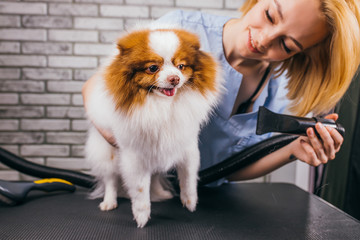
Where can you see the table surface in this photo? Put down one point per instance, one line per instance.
(231, 211)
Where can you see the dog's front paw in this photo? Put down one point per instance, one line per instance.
(141, 214)
(189, 201)
(108, 205)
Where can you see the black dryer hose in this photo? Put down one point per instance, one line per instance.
(41, 171)
(244, 158)
(213, 173)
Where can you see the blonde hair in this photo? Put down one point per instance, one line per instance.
(320, 75)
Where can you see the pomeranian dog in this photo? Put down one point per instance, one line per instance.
(152, 96)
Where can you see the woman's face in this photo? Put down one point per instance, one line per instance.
(274, 30)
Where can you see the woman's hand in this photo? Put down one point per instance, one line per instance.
(310, 149)
(315, 151)
(109, 137)
(86, 91)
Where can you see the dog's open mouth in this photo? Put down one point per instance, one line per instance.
(167, 91)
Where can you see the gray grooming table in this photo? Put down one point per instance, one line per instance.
(232, 211)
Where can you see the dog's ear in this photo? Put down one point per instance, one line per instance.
(189, 38)
(120, 47)
(194, 40)
(132, 40)
(124, 43)
(205, 72)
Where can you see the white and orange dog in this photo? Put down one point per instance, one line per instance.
(153, 97)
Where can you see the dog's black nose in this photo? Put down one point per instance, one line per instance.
(173, 79)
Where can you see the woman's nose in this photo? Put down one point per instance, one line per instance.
(266, 40)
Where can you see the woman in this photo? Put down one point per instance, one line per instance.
(308, 45)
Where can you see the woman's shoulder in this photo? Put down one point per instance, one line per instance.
(185, 18)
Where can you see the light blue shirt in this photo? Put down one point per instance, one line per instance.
(225, 135)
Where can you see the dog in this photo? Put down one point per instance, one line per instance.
(153, 97)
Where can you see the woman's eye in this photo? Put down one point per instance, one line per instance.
(268, 16)
(181, 67)
(152, 69)
(287, 50)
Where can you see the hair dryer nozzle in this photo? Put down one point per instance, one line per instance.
(269, 121)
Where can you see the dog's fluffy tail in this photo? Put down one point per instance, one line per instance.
(99, 190)
(161, 188)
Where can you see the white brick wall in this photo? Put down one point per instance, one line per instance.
(72, 62)
(45, 99)
(44, 73)
(9, 21)
(21, 86)
(22, 8)
(48, 48)
(47, 22)
(22, 60)
(73, 35)
(9, 73)
(45, 125)
(73, 9)
(200, 3)
(124, 11)
(45, 150)
(9, 47)
(99, 23)
(22, 34)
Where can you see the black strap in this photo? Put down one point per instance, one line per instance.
(245, 105)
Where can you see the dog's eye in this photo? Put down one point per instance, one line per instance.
(152, 69)
(181, 67)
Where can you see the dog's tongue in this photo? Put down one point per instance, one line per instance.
(168, 91)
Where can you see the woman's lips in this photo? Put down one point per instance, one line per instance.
(251, 44)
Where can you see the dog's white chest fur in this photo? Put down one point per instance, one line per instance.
(158, 133)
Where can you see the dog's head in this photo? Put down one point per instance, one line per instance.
(160, 62)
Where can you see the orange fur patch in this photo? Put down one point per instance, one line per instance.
(119, 76)
(202, 64)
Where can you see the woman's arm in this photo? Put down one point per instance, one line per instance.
(264, 165)
(86, 91)
(310, 149)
